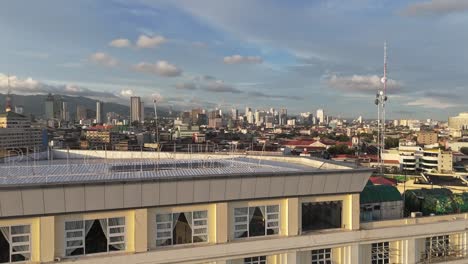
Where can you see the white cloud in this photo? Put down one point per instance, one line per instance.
(104, 59)
(428, 102)
(145, 41)
(361, 83)
(437, 7)
(126, 93)
(237, 59)
(161, 68)
(30, 86)
(120, 43)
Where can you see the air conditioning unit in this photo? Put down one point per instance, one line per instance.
(416, 214)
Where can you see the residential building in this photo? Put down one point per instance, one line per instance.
(102, 138)
(16, 132)
(194, 208)
(427, 138)
(459, 122)
(437, 160)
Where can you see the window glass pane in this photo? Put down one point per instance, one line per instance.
(119, 221)
(116, 230)
(96, 238)
(24, 229)
(241, 211)
(322, 215)
(17, 239)
(73, 225)
(200, 214)
(20, 257)
(257, 221)
(163, 217)
(182, 229)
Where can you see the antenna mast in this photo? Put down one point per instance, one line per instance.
(380, 101)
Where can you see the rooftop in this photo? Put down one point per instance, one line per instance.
(78, 167)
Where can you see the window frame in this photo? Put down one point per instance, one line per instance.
(194, 227)
(380, 253)
(321, 255)
(19, 244)
(83, 237)
(442, 244)
(256, 260)
(272, 218)
(339, 202)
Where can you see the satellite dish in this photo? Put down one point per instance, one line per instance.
(383, 80)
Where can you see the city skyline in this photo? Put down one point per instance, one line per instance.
(201, 53)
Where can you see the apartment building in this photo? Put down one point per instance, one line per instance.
(427, 138)
(438, 160)
(16, 132)
(102, 138)
(136, 208)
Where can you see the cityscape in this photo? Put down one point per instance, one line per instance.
(293, 153)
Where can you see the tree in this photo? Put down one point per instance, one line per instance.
(391, 143)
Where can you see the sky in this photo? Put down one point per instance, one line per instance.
(302, 55)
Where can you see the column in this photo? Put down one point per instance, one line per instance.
(45, 250)
(141, 230)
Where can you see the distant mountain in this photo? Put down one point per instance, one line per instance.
(35, 105)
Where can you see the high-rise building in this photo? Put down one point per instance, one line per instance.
(135, 109)
(320, 116)
(81, 113)
(142, 111)
(16, 132)
(49, 107)
(283, 116)
(234, 114)
(99, 112)
(65, 111)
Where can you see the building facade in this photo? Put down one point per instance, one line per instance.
(135, 109)
(275, 210)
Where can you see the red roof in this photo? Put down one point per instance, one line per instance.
(298, 142)
(378, 180)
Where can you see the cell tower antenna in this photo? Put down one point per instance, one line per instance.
(380, 101)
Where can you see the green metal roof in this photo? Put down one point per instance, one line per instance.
(379, 193)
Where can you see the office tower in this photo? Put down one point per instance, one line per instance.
(283, 116)
(99, 112)
(135, 109)
(320, 116)
(65, 111)
(142, 111)
(49, 107)
(234, 114)
(81, 112)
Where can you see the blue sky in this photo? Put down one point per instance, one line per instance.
(302, 55)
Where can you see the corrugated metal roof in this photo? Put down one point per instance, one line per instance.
(379, 193)
(74, 171)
